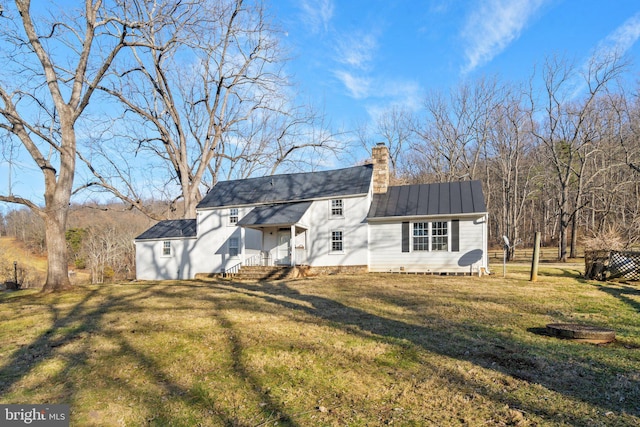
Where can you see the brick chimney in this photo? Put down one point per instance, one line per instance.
(380, 156)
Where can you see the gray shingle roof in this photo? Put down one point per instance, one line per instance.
(174, 228)
(280, 214)
(289, 187)
(447, 198)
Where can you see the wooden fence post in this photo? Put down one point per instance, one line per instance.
(536, 258)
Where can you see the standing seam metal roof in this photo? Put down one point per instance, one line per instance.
(289, 187)
(447, 198)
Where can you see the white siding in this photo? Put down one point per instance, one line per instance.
(352, 224)
(377, 244)
(151, 264)
(385, 249)
(209, 253)
(212, 252)
(214, 232)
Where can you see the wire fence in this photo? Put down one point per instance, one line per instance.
(525, 254)
(606, 265)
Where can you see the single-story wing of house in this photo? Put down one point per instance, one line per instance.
(345, 219)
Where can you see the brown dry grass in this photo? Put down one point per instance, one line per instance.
(340, 350)
(11, 250)
(32, 269)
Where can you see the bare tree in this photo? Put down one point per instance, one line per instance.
(287, 138)
(612, 201)
(567, 131)
(452, 138)
(395, 127)
(509, 164)
(206, 97)
(624, 128)
(51, 69)
(26, 227)
(108, 250)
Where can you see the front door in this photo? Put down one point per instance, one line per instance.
(283, 251)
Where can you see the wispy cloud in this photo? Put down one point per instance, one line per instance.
(382, 92)
(317, 14)
(359, 87)
(621, 39)
(493, 26)
(608, 50)
(356, 50)
(403, 94)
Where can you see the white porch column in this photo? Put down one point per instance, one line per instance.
(241, 245)
(262, 230)
(306, 247)
(292, 246)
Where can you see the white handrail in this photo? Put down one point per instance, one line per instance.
(252, 261)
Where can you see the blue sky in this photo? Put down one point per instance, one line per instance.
(355, 58)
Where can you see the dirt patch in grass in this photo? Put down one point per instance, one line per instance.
(340, 350)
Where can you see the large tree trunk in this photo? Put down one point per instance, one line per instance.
(57, 200)
(57, 269)
(574, 236)
(191, 199)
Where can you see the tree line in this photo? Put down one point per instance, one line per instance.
(99, 240)
(154, 102)
(556, 155)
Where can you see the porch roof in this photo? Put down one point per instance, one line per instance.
(282, 214)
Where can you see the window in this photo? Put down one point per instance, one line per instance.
(420, 236)
(439, 236)
(337, 208)
(233, 216)
(431, 236)
(233, 247)
(337, 244)
(166, 248)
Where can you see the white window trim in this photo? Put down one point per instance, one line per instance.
(164, 255)
(237, 239)
(237, 217)
(430, 236)
(331, 214)
(413, 236)
(331, 251)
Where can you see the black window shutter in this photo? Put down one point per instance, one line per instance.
(405, 237)
(455, 235)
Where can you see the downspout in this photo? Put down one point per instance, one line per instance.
(485, 243)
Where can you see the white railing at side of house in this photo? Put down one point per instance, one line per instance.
(253, 260)
(301, 256)
(232, 270)
(257, 259)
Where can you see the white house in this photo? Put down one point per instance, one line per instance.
(345, 219)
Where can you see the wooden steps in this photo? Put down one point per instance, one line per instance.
(264, 273)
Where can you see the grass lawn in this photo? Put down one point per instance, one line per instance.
(340, 350)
